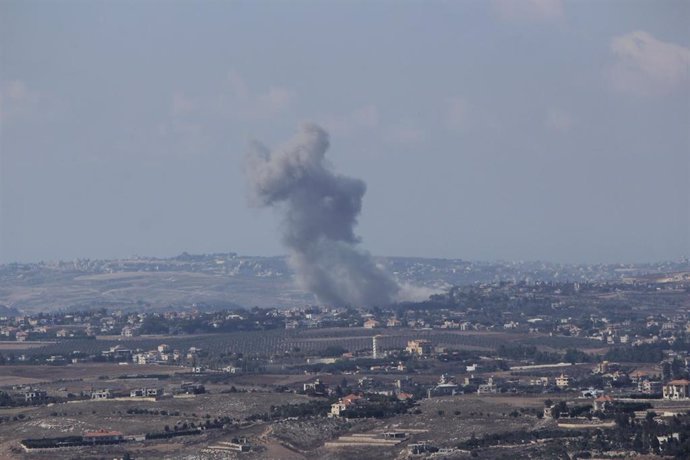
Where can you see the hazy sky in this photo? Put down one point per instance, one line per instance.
(484, 130)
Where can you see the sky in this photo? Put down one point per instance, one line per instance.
(499, 130)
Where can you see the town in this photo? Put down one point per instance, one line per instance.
(551, 360)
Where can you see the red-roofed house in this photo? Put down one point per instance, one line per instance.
(602, 403)
(343, 404)
(102, 436)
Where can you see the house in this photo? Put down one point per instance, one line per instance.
(603, 403)
(669, 437)
(649, 387)
(473, 380)
(487, 388)
(128, 331)
(191, 388)
(316, 387)
(419, 347)
(146, 393)
(144, 358)
(101, 394)
(118, 353)
(601, 368)
(445, 387)
(32, 395)
(343, 404)
(539, 382)
(677, 389)
(371, 324)
(556, 410)
(562, 381)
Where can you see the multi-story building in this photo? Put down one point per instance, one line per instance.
(419, 347)
(562, 381)
(677, 389)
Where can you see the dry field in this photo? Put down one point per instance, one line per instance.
(20, 375)
(18, 346)
(75, 418)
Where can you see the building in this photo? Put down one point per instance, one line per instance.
(562, 381)
(144, 358)
(603, 403)
(192, 388)
(101, 394)
(103, 436)
(32, 395)
(62, 333)
(343, 404)
(129, 331)
(487, 388)
(649, 387)
(375, 346)
(539, 382)
(371, 324)
(677, 389)
(601, 368)
(393, 322)
(315, 387)
(419, 347)
(556, 410)
(118, 353)
(146, 393)
(445, 387)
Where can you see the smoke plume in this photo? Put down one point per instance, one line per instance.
(320, 212)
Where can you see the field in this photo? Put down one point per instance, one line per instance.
(239, 398)
(443, 421)
(279, 341)
(76, 418)
(137, 289)
(17, 346)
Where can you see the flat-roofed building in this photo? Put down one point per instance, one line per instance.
(677, 389)
(419, 347)
(103, 436)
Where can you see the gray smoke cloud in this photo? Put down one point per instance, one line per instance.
(320, 210)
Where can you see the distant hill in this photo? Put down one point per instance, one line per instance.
(228, 279)
(8, 311)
